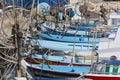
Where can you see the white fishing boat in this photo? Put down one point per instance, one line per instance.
(106, 69)
(107, 53)
(114, 19)
(38, 70)
(111, 42)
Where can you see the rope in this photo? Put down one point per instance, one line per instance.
(15, 62)
(9, 47)
(13, 68)
(2, 27)
(8, 56)
(81, 77)
(30, 19)
(45, 58)
(7, 72)
(6, 69)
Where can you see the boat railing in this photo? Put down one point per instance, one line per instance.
(84, 59)
(106, 69)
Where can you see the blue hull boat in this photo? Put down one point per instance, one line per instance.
(39, 70)
(67, 31)
(55, 60)
(64, 46)
(77, 39)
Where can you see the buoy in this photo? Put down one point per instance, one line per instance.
(72, 13)
(60, 15)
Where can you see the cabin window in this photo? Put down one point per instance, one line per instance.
(85, 46)
(115, 21)
(79, 45)
(75, 45)
(85, 35)
(98, 68)
(79, 35)
(91, 46)
(115, 70)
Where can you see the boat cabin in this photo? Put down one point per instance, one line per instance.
(114, 19)
(106, 67)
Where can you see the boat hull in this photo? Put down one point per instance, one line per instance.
(49, 62)
(64, 38)
(50, 73)
(64, 46)
(53, 71)
(102, 78)
(105, 70)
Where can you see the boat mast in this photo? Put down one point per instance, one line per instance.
(17, 37)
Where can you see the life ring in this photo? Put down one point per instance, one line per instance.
(113, 57)
(68, 11)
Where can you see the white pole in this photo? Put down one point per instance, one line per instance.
(37, 2)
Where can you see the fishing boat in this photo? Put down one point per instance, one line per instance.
(55, 60)
(38, 70)
(107, 53)
(63, 46)
(111, 42)
(106, 69)
(66, 31)
(69, 38)
(56, 28)
(111, 31)
(63, 79)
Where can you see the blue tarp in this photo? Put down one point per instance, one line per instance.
(111, 62)
(28, 3)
